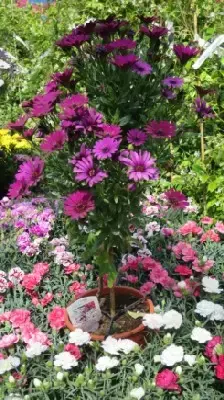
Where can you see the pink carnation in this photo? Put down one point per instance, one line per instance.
(184, 250)
(190, 228)
(5, 316)
(3, 284)
(77, 288)
(149, 263)
(207, 220)
(183, 270)
(56, 318)
(41, 269)
(159, 275)
(46, 299)
(19, 317)
(167, 380)
(8, 340)
(202, 267)
(219, 226)
(30, 281)
(210, 235)
(219, 371)
(74, 350)
(70, 269)
(167, 231)
(146, 288)
(210, 349)
(131, 278)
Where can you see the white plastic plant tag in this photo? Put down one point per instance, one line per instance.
(85, 313)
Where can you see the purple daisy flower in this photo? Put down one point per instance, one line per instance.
(169, 94)
(140, 166)
(124, 61)
(173, 82)
(76, 100)
(142, 68)
(53, 142)
(43, 104)
(83, 153)
(18, 189)
(86, 171)
(202, 109)
(51, 86)
(19, 124)
(78, 204)
(105, 148)
(63, 78)
(31, 171)
(122, 44)
(136, 137)
(184, 53)
(148, 20)
(155, 33)
(71, 40)
(176, 199)
(112, 131)
(161, 129)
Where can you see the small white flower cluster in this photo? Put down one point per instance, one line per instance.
(208, 309)
(65, 360)
(170, 319)
(6, 364)
(35, 349)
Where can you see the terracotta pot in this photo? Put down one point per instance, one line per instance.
(137, 334)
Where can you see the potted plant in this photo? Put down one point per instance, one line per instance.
(101, 169)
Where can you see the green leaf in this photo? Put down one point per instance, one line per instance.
(135, 315)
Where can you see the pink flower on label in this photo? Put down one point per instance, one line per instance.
(183, 270)
(190, 228)
(56, 318)
(210, 235)
(46, 299)
(207, 220)
(30, 281)
(219, 226)
(19, 317)
(8, 340)
(70, 269)
(167, 380)
(74, 350)
(41, 269)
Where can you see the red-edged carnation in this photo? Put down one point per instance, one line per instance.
(74, 350)
(167, 380)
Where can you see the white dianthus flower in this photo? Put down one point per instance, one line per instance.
(79, 337)
(106, 362)
(172, 355)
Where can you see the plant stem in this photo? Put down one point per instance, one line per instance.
(202, 141)
(100, 286)
(112, 302)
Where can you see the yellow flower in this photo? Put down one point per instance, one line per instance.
(13, 142)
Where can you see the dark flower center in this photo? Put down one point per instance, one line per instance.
(92, 172)
(105, 150)
(80, 207)
(159, 132)
(140, 168)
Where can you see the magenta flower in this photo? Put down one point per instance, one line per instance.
(51, 86)
(136, 137)
(31, 171)
(18, 189)
(155, 33)
(28, 133)
(169, 94)
(121, 44)
(78, 204)
(167, 380)
(161, 129)
(63, 78)
(76, 100)
(141, 68)
(108, 26)
(86, 171)
(140, 166)
(176, 199)
(148, 20)
(44, 104)
(184, 53)
(105, 148)
(54, 141)
(202, 109)
(19, 124)
(83, 153)
(112, 131)
(71, 40)
(173, 82)
(124, 61)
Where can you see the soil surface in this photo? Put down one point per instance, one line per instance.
(124, 322)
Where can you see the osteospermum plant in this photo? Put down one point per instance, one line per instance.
(100, 164)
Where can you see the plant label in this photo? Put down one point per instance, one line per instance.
(85, 313)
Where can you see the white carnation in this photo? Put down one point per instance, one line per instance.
(172, 355)
(211, 285)
(106, 362)
(172, 319)
(215, 312)
(201, 335)
(190, 359)
(35, 349)
(65, 360)
(79, 337)
(139, 369)
(153, 321)
(127, 345)
(137, 393)
(110, 346)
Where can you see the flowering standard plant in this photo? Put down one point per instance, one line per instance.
(111, 167)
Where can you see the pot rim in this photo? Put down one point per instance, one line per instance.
(118, 289)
